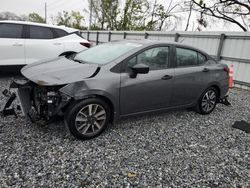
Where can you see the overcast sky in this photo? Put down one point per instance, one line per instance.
(20, 7)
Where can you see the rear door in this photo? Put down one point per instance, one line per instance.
(42, 43)
(12, 44)
(147, 91)
(192, 75)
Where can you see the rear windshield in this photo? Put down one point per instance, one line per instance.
(105, 53)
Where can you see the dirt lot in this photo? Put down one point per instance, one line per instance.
(177, 149)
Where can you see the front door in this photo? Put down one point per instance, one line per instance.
(149, 91)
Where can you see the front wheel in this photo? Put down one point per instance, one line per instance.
(207, 101)
(88, 118)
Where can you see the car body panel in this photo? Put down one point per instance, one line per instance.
(105, 84)
(58, 71)
(37, 49)
(12, 51)
(136, 94)
(24, 50)
(127, 95)
(189, 82)
(72, 41)
(219, 77)
(68, 29)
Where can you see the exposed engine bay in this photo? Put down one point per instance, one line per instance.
(36, 102)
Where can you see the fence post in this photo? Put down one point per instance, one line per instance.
(176, 38)
(109, 36)
(97, 38)
(222, 38)
(146, 35)
(124, 35)
(88, 35)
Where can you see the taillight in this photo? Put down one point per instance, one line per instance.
(226, 69)
(86, 44)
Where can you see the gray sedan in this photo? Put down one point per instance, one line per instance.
(120, 79)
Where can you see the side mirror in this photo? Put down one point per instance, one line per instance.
(139, 69)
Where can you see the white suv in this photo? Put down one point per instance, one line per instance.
(23, 43)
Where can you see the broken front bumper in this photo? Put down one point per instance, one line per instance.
(6, 109)
(19, 90)
(50, 102)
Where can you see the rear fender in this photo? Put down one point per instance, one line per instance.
(222, 91)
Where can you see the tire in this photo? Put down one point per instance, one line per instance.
(88, 118)
(207, 102)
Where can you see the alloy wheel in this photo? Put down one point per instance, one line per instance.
(209, 101)
(90, 119)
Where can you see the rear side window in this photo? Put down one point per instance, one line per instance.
(11, 30)
(37, 32)
(60, 33)
(187, 57)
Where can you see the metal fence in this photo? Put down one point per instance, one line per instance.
(232, 48)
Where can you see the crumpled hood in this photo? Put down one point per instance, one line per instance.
(58, 71)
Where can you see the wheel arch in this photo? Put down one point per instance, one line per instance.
(215, 85)
(105, 99)
(108, 101)
(217, 89)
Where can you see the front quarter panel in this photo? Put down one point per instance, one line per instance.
(105, 84)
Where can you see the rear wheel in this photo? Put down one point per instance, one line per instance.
(207, 101)
(88, 118)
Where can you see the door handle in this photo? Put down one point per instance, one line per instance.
(17, 44)
(205, 70)
(167, 77)
(57, 43)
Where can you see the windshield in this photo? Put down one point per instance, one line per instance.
(105, 53)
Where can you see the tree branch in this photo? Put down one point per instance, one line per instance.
(221, 15)
(241, 4)
(189, 15)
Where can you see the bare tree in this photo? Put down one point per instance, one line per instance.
(190, 4)
(162, 15)
(233, 11)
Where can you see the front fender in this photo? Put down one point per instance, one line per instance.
(80, 90)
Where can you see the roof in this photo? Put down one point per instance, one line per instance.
(68, 29)
(147, 42)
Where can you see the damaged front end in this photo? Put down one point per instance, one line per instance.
(36, 102)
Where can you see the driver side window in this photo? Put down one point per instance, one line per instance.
(156, 58)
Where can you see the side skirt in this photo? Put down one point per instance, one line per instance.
(161, 110)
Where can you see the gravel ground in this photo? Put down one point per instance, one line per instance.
(174, 149)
